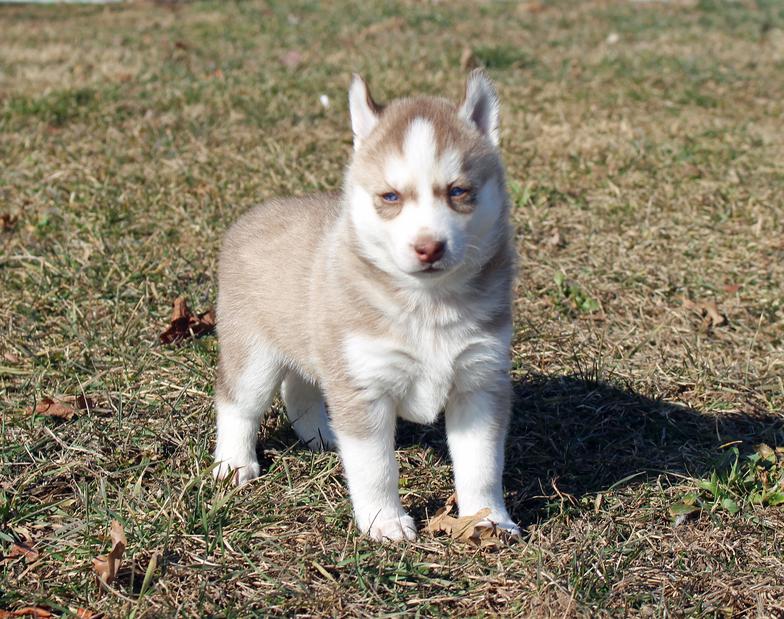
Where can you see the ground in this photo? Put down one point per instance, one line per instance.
(644, 148)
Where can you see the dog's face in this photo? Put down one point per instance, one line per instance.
(426, 184)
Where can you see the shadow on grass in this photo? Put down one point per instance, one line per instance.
(571, 437)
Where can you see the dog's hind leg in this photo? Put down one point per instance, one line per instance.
(307, 412)
(248, 377)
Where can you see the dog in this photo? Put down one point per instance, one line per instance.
(390, 299)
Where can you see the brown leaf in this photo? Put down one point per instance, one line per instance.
(23, 549)
(385, 26)
(11, 357)
(708, 310)
(474, 529)
(84, 613)
(63, 408)
(8, 222)
(712, 312)
(531, 7)
(184, 324)
(468, 59)
(107, 566)
(27, 611)
(555, 240)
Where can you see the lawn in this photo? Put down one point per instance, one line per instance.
(644, 145)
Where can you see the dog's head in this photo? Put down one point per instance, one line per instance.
(426, 185)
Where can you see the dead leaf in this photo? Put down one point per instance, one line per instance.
(23, 549)
(11, 357)
(731, 288)
(468, 59)
(474, 529)
(555, 240)
(27, 611)
(716, 317)
(531, 7)
(8, 222)
(385, 26)
(84, 613)
(107, 566)
(63, 408)
(184, 324)
(708, 310)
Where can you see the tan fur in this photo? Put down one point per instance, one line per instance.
(291, 272)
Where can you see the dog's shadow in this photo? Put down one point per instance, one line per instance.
(571, 437)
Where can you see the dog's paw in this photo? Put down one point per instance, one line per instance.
(241, 473)
(393, 529)
(324, 440)
(506, 525)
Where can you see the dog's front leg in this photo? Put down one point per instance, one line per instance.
(367, 449)
(476, 425)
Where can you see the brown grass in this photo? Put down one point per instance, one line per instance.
(645, 170)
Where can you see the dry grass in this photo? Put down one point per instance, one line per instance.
(646, 167)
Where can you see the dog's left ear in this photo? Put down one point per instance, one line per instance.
(364, 111)
(480, 105)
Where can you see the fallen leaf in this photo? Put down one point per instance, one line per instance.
(27, 611)
(84, 613)
(731, 288)
(708, 310)
(184, 324)
(8, 222)
(468, 60)
(23, 549)
(474, 529)
(531, 7)
(555, 240)
(716, 317)
(107, 566)
(385, 26)
(11, 357)
(63, 408)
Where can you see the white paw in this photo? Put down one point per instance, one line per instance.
(393, 529)
(242, 472)
(503, 524)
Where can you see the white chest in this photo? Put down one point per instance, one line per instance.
(418, 373)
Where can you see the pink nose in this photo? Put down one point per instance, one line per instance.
(429, 250)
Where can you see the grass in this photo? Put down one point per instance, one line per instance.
(645, 167)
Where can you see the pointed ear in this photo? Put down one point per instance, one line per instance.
(364, 111)
(480, 105)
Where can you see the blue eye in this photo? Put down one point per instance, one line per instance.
(456, 192)
(390, 196)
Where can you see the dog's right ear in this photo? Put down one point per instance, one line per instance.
(364, 111)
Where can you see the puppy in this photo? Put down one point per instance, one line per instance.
(390, 299)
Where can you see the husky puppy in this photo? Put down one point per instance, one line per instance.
(391, 299)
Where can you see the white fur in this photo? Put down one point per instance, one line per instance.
(390, 243)
(476, 444)
(431, 369)
(238, 421)
(307, 412)
(372, 475)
